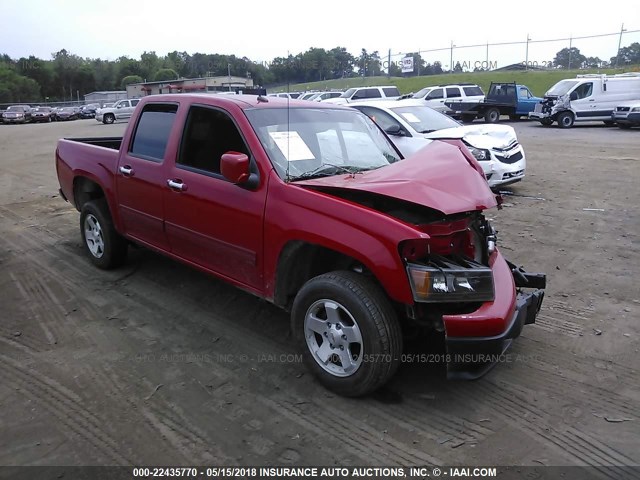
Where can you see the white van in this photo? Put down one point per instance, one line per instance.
(586, 98)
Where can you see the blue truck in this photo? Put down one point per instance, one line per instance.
(503, 99)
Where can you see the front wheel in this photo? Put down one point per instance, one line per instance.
(566, 120)
(109, 118)
(492, 115)
(349, 332)
(546, 122)
(103, 244)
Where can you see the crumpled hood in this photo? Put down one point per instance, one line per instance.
(479, 136)
(438, 176)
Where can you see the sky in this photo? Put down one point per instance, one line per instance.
(264, 30)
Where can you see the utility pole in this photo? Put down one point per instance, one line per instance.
(229, 74)
(451, 58)
(526, 58)
(419, 60)
(389, 64)
(619, 45)
(570, 47)
(487, 65)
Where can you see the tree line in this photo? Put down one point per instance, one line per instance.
(66, 76)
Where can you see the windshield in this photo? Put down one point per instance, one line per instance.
(16, 109)
(41, 109)
(422, 93)
(425, 119)
(306, 142)
(562, 87)
(348, 93)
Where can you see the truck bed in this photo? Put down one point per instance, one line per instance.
(105, 142)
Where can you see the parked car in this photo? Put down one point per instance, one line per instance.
(436, 95)
(89, 111)
(314, 212)
(290, 95)
(627, 115)
(586, 98)
(366, 93)
(307, 95)
(68, 113)
(41, 114)
(320, 96)
(17, 114)
(503, 99)
(411, 126)
(121, 110)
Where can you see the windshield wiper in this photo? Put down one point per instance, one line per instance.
(427, 131)
(328, 169)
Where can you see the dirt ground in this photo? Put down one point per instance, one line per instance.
(156, 363)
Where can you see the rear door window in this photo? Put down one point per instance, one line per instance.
(453, 92)
(434, 94)
(152, 132)
(391, 92)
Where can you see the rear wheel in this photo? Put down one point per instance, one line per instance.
(105, 247)
(109, 118)
(348, 331)
(492, 115)
(566, 120)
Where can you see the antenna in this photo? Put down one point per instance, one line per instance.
(288, 122)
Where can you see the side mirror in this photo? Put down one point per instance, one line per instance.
(573, 96)
(235, 167)
(394, 130)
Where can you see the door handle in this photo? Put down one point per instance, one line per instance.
(126, 170)
(592, 100)
(176, 185)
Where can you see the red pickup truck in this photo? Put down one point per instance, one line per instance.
(310, 206)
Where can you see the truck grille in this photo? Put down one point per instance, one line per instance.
(538, 108)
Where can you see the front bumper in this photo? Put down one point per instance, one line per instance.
(539, 115)
(470, 356)
(626, 118)
(502, 170)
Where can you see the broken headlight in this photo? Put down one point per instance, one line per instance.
(481, 154)
(444, 280)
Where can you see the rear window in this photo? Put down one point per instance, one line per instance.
(472, 91)
(152, 132)
(391, 92)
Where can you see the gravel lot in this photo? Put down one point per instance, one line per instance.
(156, 363)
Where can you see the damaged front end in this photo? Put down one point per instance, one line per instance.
(550, 107)
(463, 286)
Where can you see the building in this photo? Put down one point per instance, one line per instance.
(189, 85)
(105, 97)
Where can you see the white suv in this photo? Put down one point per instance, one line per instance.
(436, 95)
(388, 92)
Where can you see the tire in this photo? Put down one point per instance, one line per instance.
(566, 120)
(546, 122)
(492, 115)
(468, 118)
(104, 246)
(358, 306)
(624, 126)
(109, 118)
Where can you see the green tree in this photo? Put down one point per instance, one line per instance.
(16, 88)
(129, 79)
(627, 55)
(165, 74)
(569, 57)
